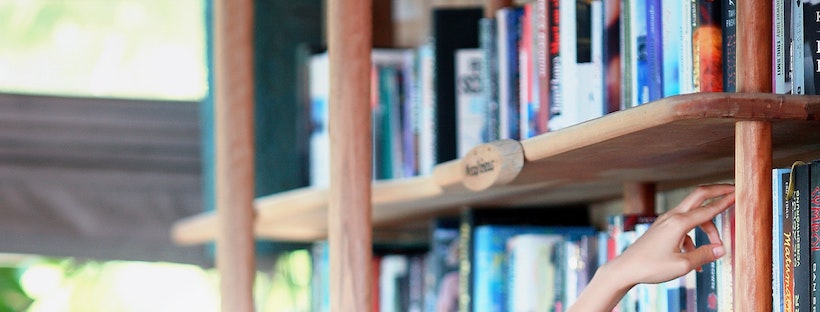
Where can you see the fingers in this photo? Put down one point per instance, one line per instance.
(701, 194)
(703, 215)
(704, 254)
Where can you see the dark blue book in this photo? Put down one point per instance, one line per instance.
(799, 201)
(654, 49)
(814, 204)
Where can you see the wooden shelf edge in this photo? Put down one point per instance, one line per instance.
(299, 214)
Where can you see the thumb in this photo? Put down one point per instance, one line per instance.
(705, 254)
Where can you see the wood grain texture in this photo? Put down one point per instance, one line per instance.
(639, 198)
(349, 215)
(234, 126)
(494, 163)
(754, 46)
(753, 215)
(688, 140)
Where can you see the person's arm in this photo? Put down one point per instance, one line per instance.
(664, 252)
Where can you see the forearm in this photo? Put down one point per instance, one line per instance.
(603, 292)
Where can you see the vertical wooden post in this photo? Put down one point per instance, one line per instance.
(349, 217)
(490, 6)
(639, 198)
(753, 164)
(233, 110)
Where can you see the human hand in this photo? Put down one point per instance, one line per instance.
(665, 251)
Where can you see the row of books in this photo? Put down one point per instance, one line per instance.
(525, 260)
(796, 236)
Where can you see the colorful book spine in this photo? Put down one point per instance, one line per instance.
(654, 49)
(543, 64)
(556, 101)
(814, 206)
(788, 248)
(729, 53)
(707, 46)
(779, 186)
(509, 33)
(798, 199)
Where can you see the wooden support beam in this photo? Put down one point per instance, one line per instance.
(639, 198)
(349, 216)
(753, 163)
(233, 110)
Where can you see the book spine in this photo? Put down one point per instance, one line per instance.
(800, 229)
(555, 62)
(729, 19)
(778, 194)
(543, 64)
(626, 55)
(489, 74)
(798, 74)
(470, 106)
(814, 204)
(788, 249)
(811, 49)
(504, 77)
(612, 55)
(706, 280)
(654, 50)
(427, 116)
(726, 263)
(513, 67)
(639, 52)
(672, 45)
(707, 44)
(781, 83)
(465, 259)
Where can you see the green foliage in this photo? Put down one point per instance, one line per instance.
(12, 295)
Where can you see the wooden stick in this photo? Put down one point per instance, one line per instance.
(490, 6)
(639, 198)
(349, 217)
(753, 163)
(234, 106)
(753, 216)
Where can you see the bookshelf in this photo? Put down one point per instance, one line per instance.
(674, 142)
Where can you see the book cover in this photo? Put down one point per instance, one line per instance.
(452, 29)
(729, 53)
(799, 200)
(470, 104)
(707, 44)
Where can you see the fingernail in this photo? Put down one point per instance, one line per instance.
(718, 251)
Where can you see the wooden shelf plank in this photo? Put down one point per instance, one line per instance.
(674, 142)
